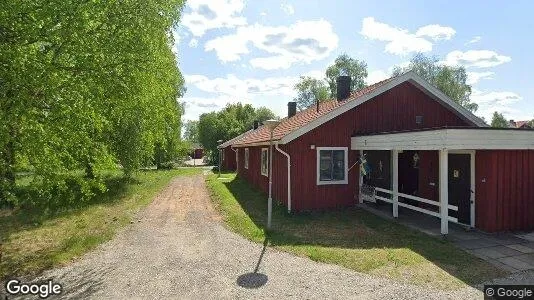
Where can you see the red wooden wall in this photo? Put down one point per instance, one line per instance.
(253, 173)
(229, 162)
(505, 201)
(394, 110)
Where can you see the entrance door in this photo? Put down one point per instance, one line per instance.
(460, 186)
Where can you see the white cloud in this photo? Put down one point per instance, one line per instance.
(476, 58)
(287, 8)
(195, 106)
(436, 32)
(401, 41)
(193, 43)
(475, 39)
(495, 98)
(376, 76)
(243, 88)
(500, 101)
(212, 14)
(275, 91)
(475, 77)
(301, 42)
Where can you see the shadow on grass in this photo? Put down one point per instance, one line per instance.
(343, 230)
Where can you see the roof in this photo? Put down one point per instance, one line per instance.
(306, 120)
(520, 124)
(288, 125)
(234, 140)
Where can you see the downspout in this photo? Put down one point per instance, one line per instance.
(236, 158)
(288, 177)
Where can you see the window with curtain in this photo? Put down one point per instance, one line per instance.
(332, 165)
(265, 162)
(246, 158)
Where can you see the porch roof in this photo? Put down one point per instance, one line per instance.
(472, 138)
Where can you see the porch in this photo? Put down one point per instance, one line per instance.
(443, 185)
(508, 251)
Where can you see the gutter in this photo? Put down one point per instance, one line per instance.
(288, 177)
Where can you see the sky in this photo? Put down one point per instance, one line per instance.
(255, 51)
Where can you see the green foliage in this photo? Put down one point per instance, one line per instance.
(85, 85)
(499, 121)
(309, 91)
(228, 123)
(450, 80)
(346, 65)
(191, 131)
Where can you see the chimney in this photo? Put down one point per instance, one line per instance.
(256, 124)
(343, 87)
(291, 109)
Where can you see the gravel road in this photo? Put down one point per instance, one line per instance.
(179, 249)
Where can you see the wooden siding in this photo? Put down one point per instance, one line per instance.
(505, 201)
(253, 173)
(229, 162)
(394, 110)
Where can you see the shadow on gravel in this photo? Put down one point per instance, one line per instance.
(254, 280)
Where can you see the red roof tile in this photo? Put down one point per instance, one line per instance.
(302, 118)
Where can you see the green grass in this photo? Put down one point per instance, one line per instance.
(32, 241)
(352, 238)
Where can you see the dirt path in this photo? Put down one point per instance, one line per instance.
(179, 249)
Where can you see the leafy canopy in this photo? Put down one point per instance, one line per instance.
(86, 85)
(499, 121)
(346, 65)
(309, 91)
(228, 123)
(450, 80)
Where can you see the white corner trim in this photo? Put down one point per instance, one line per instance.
(266, 150)
(409, 76)
(246, 157)
(318, 166)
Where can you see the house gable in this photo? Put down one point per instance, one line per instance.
(432, 94)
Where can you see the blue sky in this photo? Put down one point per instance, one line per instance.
(254, 51)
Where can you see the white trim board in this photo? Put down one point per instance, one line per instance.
(452, 139)
(346, 158)
(413, 78)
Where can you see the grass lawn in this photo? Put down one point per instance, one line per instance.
(31, 241)
(351, 237)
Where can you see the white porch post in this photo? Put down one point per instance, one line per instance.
(360, 180)
(444, 190)
(395, 181)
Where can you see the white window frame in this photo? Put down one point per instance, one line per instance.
(246, 156)
(346, 180)
(266, 150)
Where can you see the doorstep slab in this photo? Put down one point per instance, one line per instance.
(516, 263)
(521, 248)
(527, 236)
(492, 252)
(476, 244)
(528, 258)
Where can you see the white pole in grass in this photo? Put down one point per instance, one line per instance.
(271, 124)
(219, 142)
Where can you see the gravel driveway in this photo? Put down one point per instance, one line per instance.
(178, 248)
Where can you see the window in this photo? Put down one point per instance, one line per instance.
(246, 158)
(264, 162)
(332, 165)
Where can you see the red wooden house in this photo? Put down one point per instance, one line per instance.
(400, 141)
